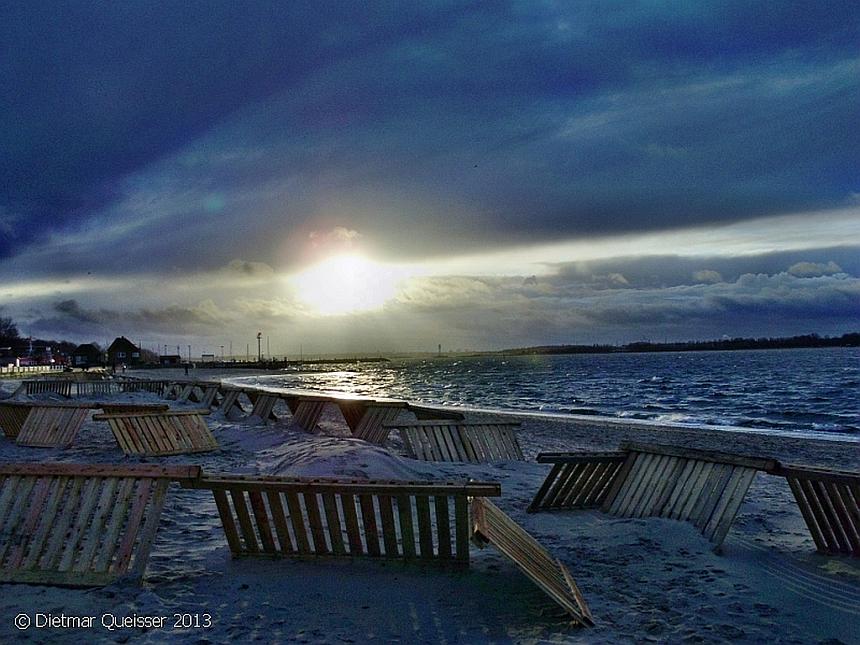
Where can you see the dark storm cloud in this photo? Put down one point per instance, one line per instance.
(429, 129)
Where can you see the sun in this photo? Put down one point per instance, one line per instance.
(346, 284)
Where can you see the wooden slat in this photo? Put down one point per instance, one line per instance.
(315, 523)
(389, 526)
(211, 481)
(353, 530)
(443, 526)
(493, 526)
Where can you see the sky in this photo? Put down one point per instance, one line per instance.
(382, 177)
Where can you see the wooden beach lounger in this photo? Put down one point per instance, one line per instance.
(830, 504)
(422, 521)
(650, 480)
(80, 525)
(174, 432)
(458, 441)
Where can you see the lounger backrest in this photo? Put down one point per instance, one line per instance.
(61, 387)
(173, 432)
(277, 516)
(494, 526)
(457, 441)
(830, 504)
(79, 525)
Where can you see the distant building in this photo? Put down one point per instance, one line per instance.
(170, 360)
(122, 350)
(87, 355)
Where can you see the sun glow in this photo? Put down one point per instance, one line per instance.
(348, 283)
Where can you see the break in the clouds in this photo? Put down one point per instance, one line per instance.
(145, 147)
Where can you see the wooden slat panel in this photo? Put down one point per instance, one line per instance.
(554, 473)
(451, 441)
(77, 528)
(371, 426)
(493, 526)
(415, 528)
(743, 478)
(164, 433)
(307, 414)
(63, 388)
(12, 418)
(52, 426)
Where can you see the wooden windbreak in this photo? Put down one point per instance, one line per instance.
(276, 516)
(494, 526)
(80, 525)
(456, 441)
(577, 480)
(52, 426)
(704, 488)
(701, 487)
(173, 432)
(58, 386)
(830, 504)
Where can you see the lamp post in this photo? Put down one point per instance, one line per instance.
(259, 347)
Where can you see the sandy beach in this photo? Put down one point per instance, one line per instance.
(649, 579)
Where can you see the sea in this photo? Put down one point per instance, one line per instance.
(804, 391)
